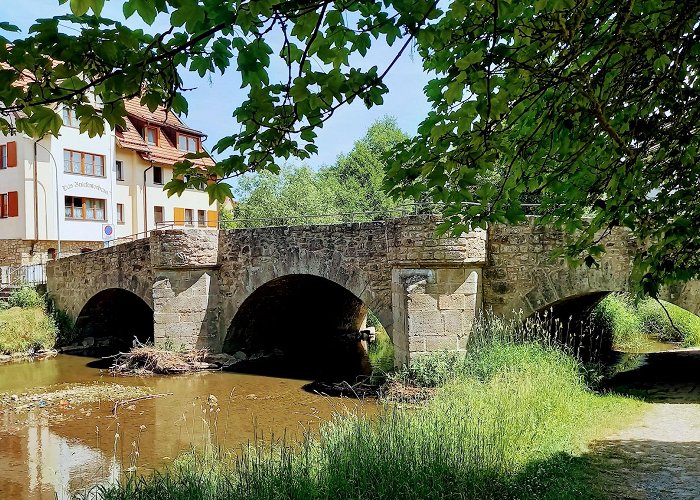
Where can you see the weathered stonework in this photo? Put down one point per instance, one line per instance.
(426, 290)
(196, 280)
(15, 253)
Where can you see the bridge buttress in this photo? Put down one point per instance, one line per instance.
(434, 309)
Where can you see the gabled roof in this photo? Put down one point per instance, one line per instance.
(166, 152)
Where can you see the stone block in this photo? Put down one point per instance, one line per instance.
(448, 343)
(421, 323)
(454, 322)
(423, 302)
(452, 301)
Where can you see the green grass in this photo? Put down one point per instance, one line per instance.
(631, 324)
(25, 330)
(381, 352)
(508, 421)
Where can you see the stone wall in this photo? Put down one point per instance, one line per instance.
(197, 280)
(522, 276)
(425, 289)
(16, 253)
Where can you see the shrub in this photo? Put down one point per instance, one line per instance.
(26, 297)
(683, 326)
(26, 330)
(616, 314)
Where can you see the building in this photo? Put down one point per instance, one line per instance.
(73, 193)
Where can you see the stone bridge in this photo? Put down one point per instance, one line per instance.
(247, 289)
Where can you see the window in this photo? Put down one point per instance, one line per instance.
(4, 205)
(188, 217)
(188, 143)
(8, 155)
(51, 252)
(76, 162)
(69, 118)
(120, 213)
(158, 214)
(77, 207)
(120, 170)
(9, 204)
(157, 175)
(151, 135)
(201, 218)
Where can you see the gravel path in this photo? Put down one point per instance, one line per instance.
(658, 457)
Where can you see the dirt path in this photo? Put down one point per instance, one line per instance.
(658, 457)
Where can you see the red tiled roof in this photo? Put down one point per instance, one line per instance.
(165, 152)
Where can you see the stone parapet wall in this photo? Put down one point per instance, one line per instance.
(522, 276)
(184, 248)
(413, 240)
(27, 252)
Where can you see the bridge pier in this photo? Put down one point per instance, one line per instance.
(433, 309)
(186, 308)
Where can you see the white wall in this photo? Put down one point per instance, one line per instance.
(130, 193)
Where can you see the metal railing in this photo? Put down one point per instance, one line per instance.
(14, 277)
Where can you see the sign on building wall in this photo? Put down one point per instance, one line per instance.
(107, 232)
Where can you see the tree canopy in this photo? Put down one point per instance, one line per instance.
(589, 105)
(350, 189)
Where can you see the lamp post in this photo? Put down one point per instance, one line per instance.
(58, 200)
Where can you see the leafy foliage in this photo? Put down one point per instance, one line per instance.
(353, 185)
(26, 297)
(94, 69)
(590, 107)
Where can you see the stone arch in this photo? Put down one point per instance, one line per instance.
(110, 320)
(551, 287)
(306, 325)
(239, 281)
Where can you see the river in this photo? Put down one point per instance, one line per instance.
(52, 451)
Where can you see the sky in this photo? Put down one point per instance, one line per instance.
(213, 98)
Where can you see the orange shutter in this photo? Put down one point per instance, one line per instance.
(179, 216)
(212, 218)
(12, 204)
(12, 154)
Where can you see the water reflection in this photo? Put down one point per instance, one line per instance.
(54, 450)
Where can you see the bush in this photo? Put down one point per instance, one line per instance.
(617, 315)
(683, 326)
(25, 330)
(26, 297)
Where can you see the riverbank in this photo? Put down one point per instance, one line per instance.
(506, 421)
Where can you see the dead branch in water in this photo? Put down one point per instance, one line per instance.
(147, 359)
(118, 404)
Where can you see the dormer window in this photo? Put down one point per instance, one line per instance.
(69, 118)
(187, 143)
(151, 135)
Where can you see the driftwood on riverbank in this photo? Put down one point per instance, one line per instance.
(146, 359)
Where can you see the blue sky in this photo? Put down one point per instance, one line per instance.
(213, 99)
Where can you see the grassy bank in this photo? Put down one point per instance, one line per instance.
(506, 422)
(25, 324)
(631, 323)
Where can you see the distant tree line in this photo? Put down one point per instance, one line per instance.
(349, 189)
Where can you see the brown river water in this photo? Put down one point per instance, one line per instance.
(49, 452)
